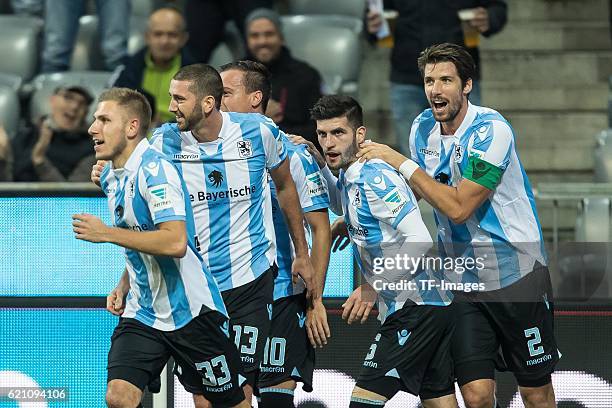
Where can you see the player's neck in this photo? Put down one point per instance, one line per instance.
(449, 128)
(209, 128)
(122, 158)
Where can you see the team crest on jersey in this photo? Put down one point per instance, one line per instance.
(245, 149)
(132, 189)
(458, 153)
(215, 177)
(357, 199)
(395, 200)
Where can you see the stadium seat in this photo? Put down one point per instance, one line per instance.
(610, 101)
(353, 8)
(331, 20)
(143, 8)
(602, 157)
(12, 81)
(334, 50)
(20, 45)
(138, 28)
(87, 53)
(230, 49)
(9, 110)
(44, 85)
(593, 220)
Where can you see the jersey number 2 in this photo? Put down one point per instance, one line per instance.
(534, 346)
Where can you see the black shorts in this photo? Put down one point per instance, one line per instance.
(411, 352)
(250, 310)
(206, 361)
(288, 353)
(511, 319)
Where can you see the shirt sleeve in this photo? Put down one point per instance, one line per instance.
(275, 149)
(389, 197)
(489, 155)
(309, 182)
(161, 187)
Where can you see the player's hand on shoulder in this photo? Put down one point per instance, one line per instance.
(359, 305)
(316, 324)
(371, 150)
(96, 171)
(339, 235)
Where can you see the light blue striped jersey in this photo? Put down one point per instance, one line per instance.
(504, 231)
(312, 192)
(228, 187)
(165, 293)
(375, 199)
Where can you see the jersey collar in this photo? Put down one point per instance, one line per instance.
(135, 158)
(470, 115)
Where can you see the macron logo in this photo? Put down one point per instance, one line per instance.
(402, 336)
(152, 168)
(301, 319)
(379, 182)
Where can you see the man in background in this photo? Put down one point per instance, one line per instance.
(151, 69)
(296, 85)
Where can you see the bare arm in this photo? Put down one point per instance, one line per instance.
(170, 239)
(316, 321)
(292, 210)
(457, 203)
(321, 244)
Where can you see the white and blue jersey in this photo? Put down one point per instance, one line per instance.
(312, 192)
(228, 187)
(504, 231)
(165, 293)
(381, 216)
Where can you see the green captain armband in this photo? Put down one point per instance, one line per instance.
(483, 173)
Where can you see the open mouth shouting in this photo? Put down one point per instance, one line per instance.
(97, 144)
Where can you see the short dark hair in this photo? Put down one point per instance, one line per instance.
(447, 52)
(256, 78)
(337, 106)
(133, 101)
(205, 81)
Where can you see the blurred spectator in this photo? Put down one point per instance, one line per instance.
(62, 27)
(152, 68)
(420, 24)
(6, 157)
(296, 86)
(28, 7)
(206, 22)
(58, 148)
